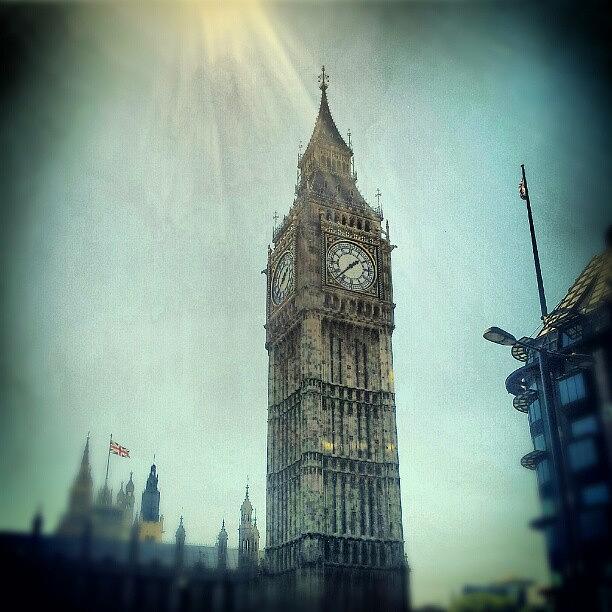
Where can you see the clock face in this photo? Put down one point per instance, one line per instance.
(282, 278)
(351, 266)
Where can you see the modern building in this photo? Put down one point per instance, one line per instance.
(565, 389)
(334, 517)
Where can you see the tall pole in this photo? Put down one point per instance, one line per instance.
(108, 460)
(534, 246)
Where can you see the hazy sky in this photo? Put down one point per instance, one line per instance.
(146, 152)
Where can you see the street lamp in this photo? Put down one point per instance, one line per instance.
(497, 335)
(500, 336)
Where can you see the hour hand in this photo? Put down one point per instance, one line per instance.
(351, 265)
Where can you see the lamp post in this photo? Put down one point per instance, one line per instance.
(545, 356)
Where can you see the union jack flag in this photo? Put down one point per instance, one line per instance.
(522, 190)
(117, 449)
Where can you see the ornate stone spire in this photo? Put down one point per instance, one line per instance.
(180, 545)
(255, 530)
(81, 498)
(121, 497)
(325, 133)
(248, 536)
(326, 168)
(222, 548)
(180, 532)
(129, 487)
(149, 508)
(83, 481)
(246, 510)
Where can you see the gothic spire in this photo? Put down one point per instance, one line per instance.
(81, 498)
(85, 469)
(222, 537)
(149, 507)
(326, 167)
(325, 132)
(180, 532)
(129, 487)
(121, 497)
(246, 509)
(222, 548)
(83, 484)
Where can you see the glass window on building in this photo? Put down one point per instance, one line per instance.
(582, 454)
(593, 524)
(548, 507)
(539, 443)
(569, 336)
(596, 494)
(584, 426)
(535, 412)
(550, 533)
(571, 389)
(543, 471)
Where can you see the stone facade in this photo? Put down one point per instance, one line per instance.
(334, 522)
(248, 537)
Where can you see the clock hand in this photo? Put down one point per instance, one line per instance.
(351, 265)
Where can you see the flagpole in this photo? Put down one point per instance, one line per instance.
(108, 459)
(534, 246)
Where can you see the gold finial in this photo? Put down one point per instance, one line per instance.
(323, 79)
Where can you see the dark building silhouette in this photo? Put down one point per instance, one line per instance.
(179, 539)
(571, 428)
(151, 522)
(80, 500)
(88, 573)
(103, 518)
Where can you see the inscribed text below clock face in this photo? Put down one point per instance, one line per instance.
(282, 280)
(351, 266)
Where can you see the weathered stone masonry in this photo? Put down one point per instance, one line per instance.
(333, 491)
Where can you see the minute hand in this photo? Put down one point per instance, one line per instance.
(351, 265)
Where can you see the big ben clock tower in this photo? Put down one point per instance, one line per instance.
(334, 535)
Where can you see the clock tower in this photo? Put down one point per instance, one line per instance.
(334, 521)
